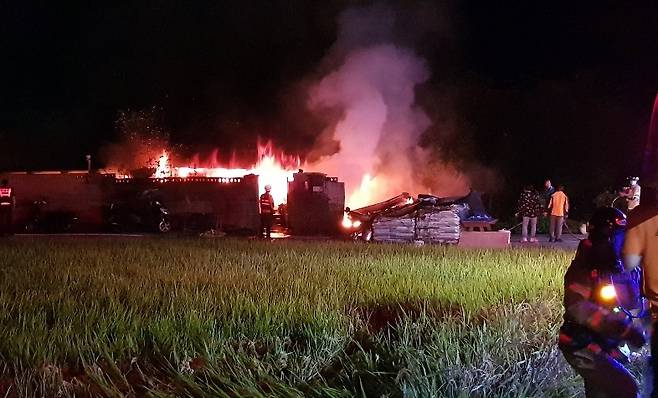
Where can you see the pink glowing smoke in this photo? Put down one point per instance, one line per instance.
(380, 125)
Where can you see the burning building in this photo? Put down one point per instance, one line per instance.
(197, 197)
(226, 203)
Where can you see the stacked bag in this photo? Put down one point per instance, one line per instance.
(394, 229)
(437, 226)
(429, 224)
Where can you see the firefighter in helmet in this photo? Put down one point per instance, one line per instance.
(7, 204)
(632, 193)
(597, 318)
(266, 212)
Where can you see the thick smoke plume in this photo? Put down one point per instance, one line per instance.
(374, 144)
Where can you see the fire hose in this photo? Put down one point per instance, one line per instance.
(615, 199)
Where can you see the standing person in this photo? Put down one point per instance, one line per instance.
(7, 204)
(549, 190)
(632, 193)
(266, 212)
(529, 208)
(641, 245)
(545, 197)
(594, 328)
(559, 209)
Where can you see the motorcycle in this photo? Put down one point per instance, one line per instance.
(43, 221)
(152, 216)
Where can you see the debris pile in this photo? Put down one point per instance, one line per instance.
(403, 219)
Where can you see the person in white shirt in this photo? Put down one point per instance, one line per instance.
(632, 193)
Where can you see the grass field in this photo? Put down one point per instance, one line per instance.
(188, 317)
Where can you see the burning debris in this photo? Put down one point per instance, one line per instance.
(358, 223)
(402, 219)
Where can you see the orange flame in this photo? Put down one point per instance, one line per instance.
(364, 194)
(272, 169)
(163, 170)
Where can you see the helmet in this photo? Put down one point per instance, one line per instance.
(607, 222)
(606, 235)
(268, 188)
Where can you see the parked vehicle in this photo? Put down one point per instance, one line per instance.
(151, 216)
(48, 221)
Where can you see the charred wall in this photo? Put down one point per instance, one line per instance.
(231, 204)
(79, 193)
(315, 204)
(225, 203)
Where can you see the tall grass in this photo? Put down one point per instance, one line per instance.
(188, 317)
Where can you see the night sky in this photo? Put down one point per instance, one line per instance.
(529, 89)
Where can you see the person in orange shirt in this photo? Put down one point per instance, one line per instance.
(641, 246)
(559, 209)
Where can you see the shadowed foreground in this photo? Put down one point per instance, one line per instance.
(239, 318)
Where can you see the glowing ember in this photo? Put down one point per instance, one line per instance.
(270, 168)
(163, 170)
(346, 223)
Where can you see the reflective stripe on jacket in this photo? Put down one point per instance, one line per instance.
(586, 320)
(266, 204)
(5, 196)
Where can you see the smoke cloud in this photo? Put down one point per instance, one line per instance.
(359, 113)
(373, 145)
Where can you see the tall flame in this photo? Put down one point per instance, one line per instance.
(363, 195)
(271, 169)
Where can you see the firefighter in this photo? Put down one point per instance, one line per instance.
(641, 246)
(596, 324)
(7, 204)
(266, 212)
(632, 193)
